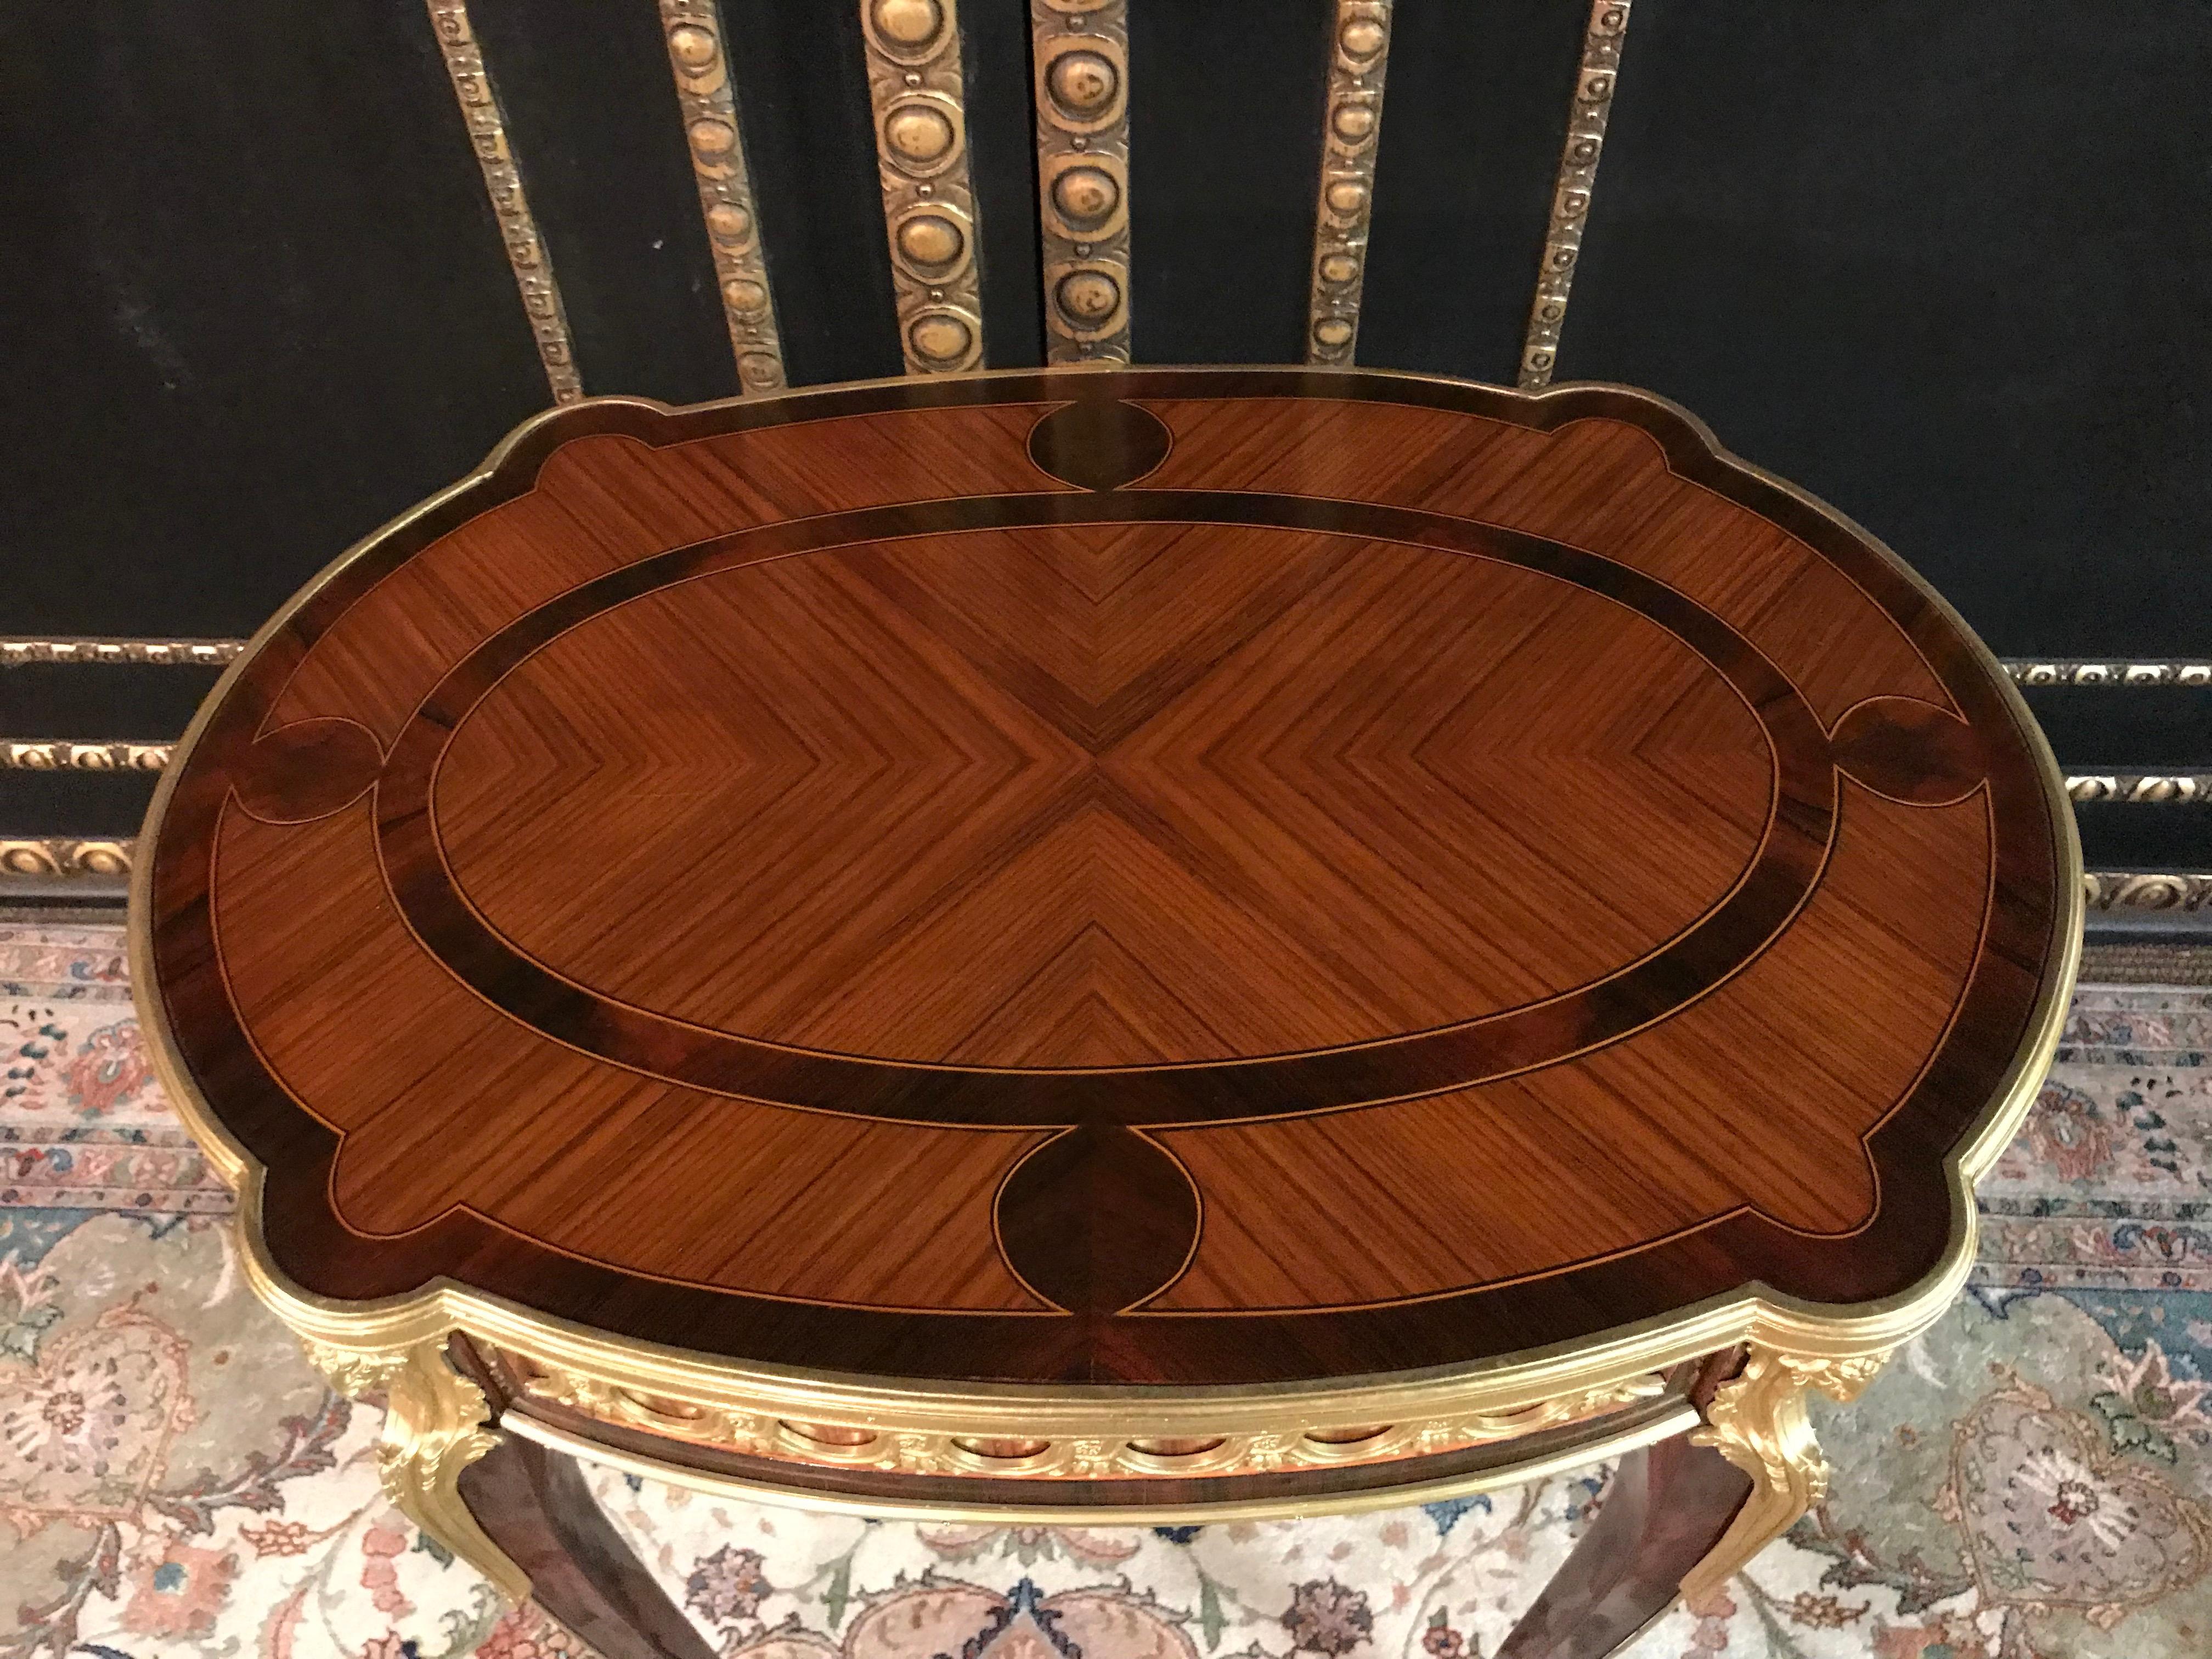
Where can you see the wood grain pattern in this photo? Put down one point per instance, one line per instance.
(1251, 876)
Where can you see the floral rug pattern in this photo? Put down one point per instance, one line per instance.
(2032, 1479)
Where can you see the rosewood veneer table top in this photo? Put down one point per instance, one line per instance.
(1241, 880)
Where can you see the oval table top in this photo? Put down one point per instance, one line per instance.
(1249, 878)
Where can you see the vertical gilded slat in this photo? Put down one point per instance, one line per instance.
(917, 92)
(1081, 50)
(525, 249)
(1351, 128)
(1571, 199)
(701, 63)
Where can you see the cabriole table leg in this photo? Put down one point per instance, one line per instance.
(537, 1506)
(1668, 1504)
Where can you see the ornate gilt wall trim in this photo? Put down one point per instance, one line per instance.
(210, 653)
(525, 249)
(700, 61)
(53, 857)
(1352, 130)
(2029, 671)
(2142, 788)
(1571, 196)
(1081, 50)
(66, 755)
(2113, 889)
(991, 1452)
(1758, 1422)
(917, 91)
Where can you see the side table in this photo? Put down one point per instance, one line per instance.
(1130, 946)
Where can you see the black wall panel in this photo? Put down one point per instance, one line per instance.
(803, 100)
(1225, 156)
(2122, 836)
(2152, 728)
(1002, 169)
(101, 701)
(589, 100)
(252, 303)
(1474, 112)
(97, 806)
(1949, 266)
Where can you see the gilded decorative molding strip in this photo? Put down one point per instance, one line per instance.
(2033, 671)
(525, 249)
(1571, 197)
(1352, 129)
(984, 1451)
(915, 87)
(701, 63)
(2142, 788)
(212, 653)
(40, 754)
(1081, 50)
(2188, 892)
(64, 856)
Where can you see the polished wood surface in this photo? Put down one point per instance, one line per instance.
(1197, 877)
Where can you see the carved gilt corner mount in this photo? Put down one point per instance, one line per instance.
(437, 1423)
(1757, 1421)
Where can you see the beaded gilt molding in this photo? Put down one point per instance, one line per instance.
(700, 62)
(195, 653)
(525, 248)
(1571, 197)
(916, 91)
(1081, 50)
(1351, 130)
